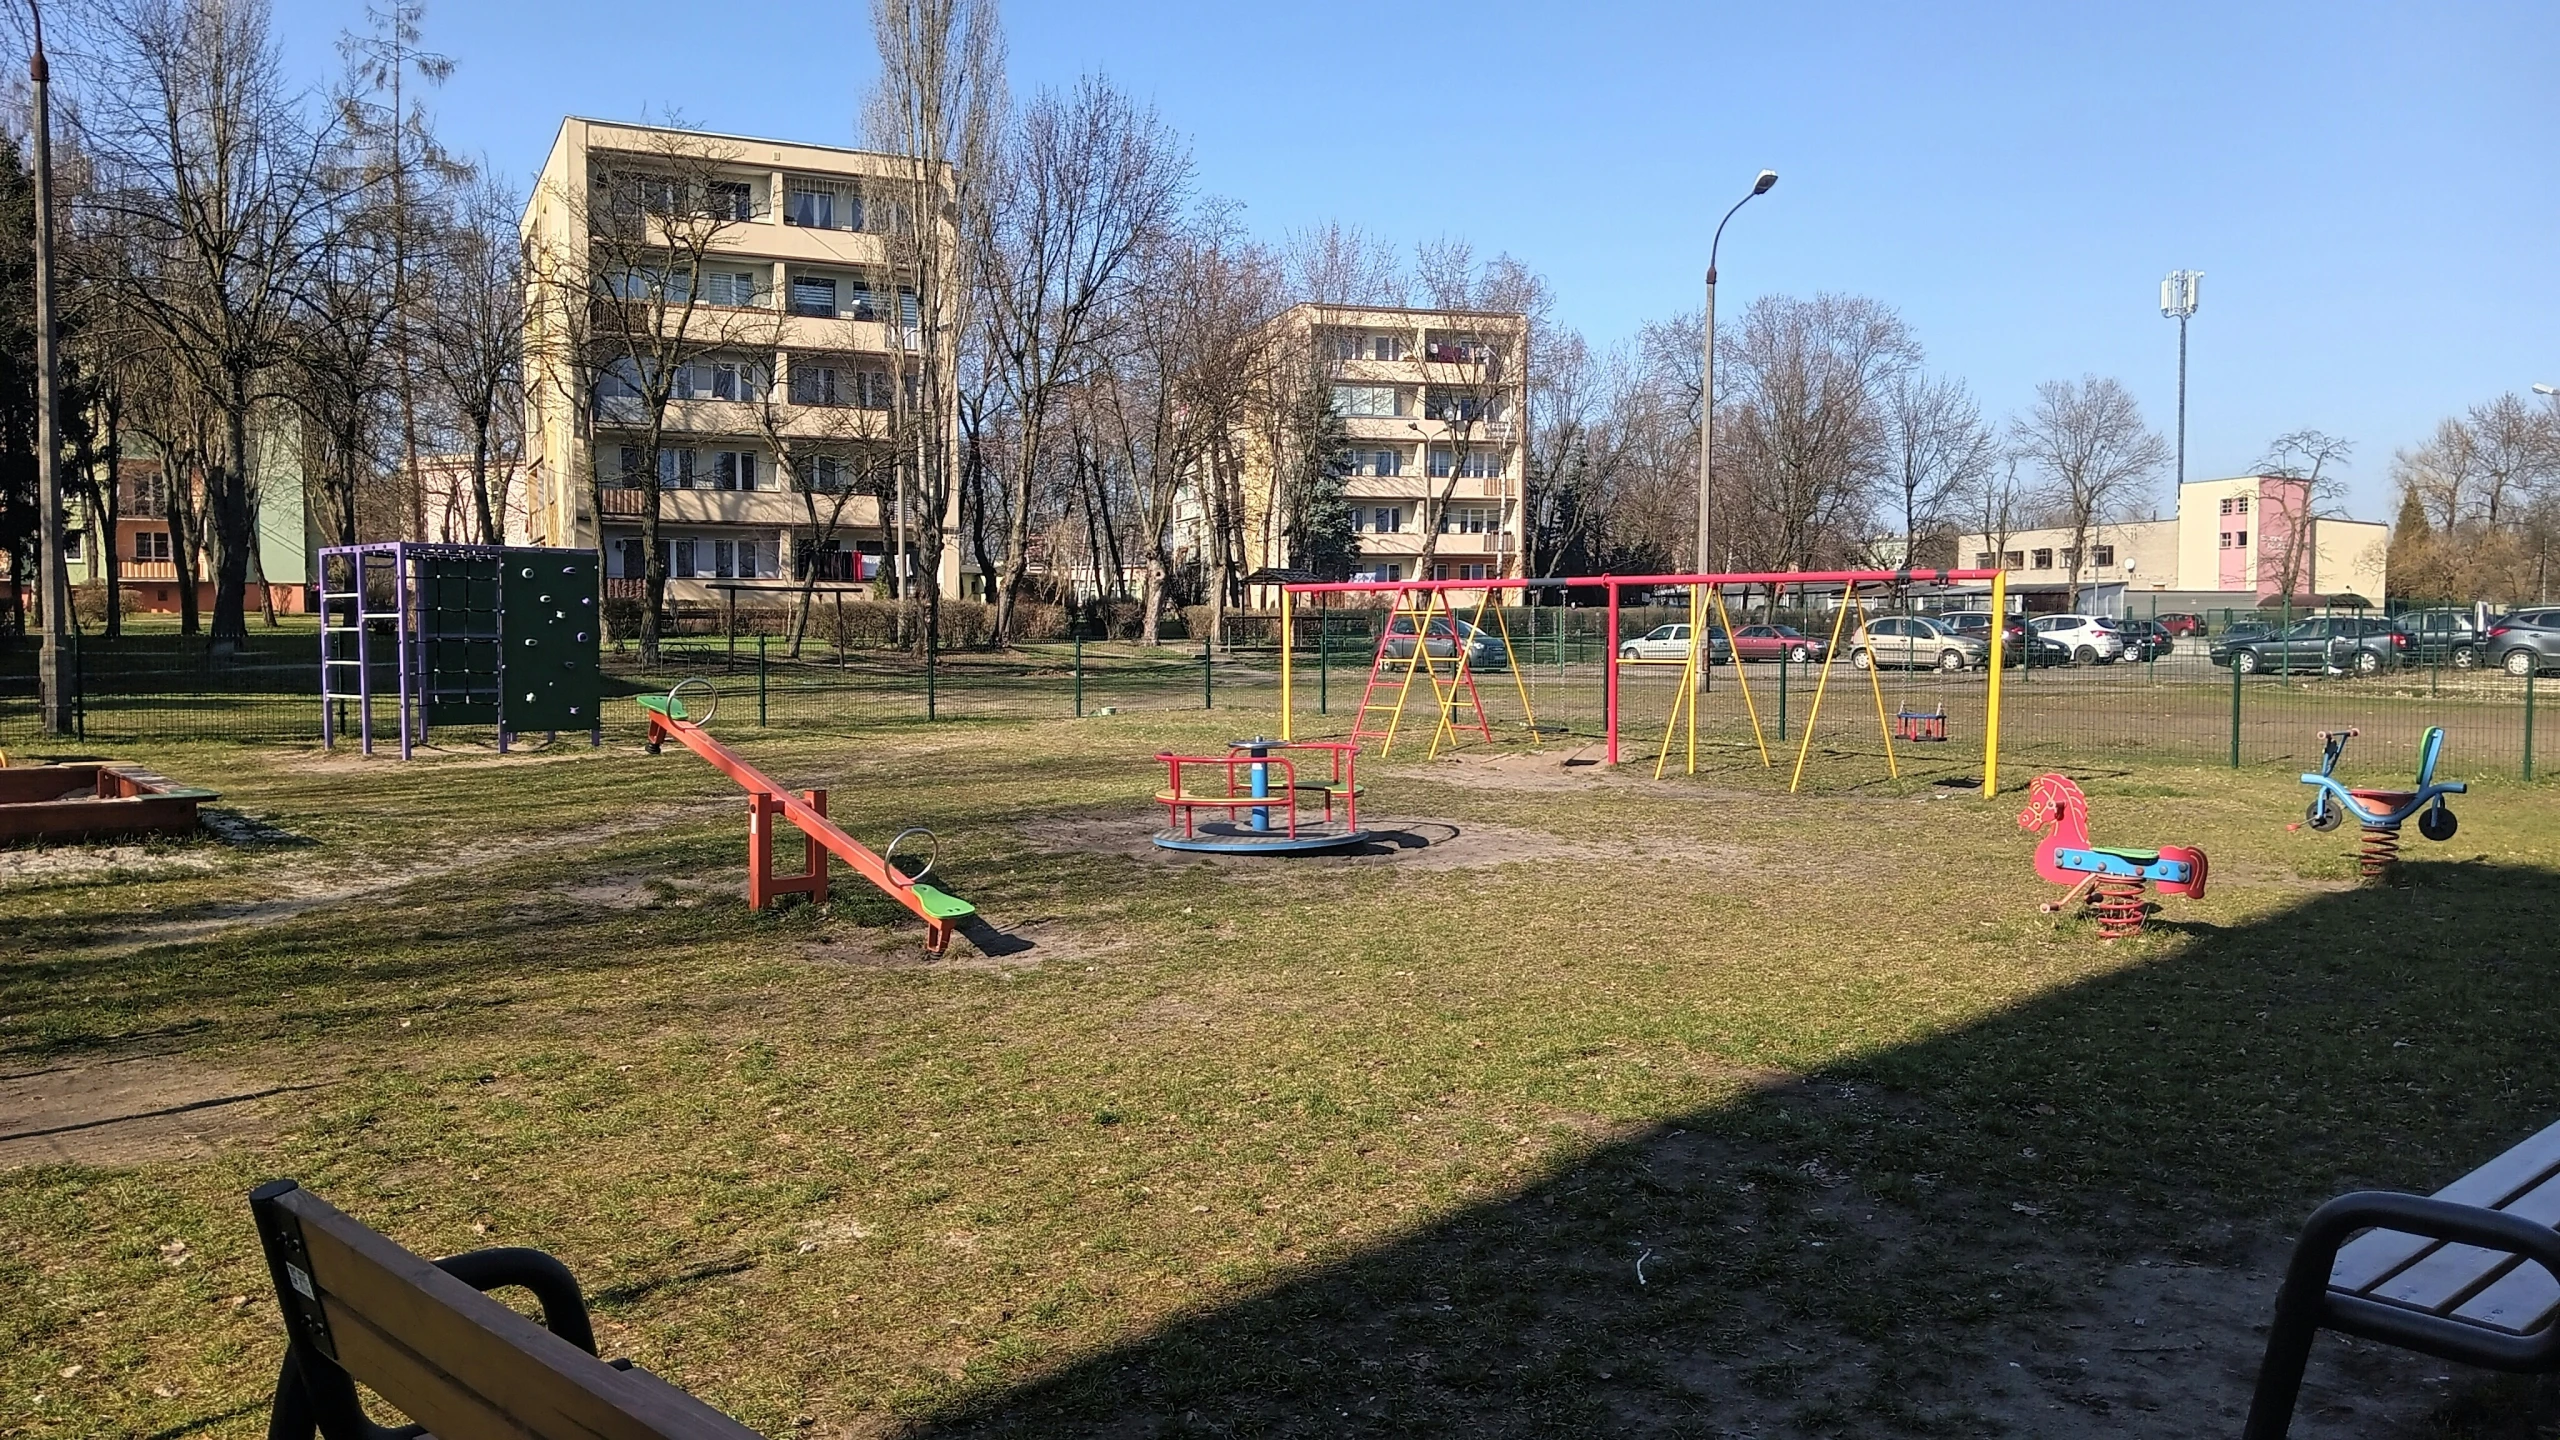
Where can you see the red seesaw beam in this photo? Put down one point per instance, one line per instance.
(765, 799)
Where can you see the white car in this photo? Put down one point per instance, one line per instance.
(1671, 642)
(2094, 639)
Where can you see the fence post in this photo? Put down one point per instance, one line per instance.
(1783, 662)
(1079, 637)
(760, 672)
(2528, 720)
(929, 648)
(1208, 684)
(2235, 713)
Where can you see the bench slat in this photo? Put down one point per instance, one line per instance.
(2377, 1254)
(2452, 1272)
(2521, 1301)
(432, 1328)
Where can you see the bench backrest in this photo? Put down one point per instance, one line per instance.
(359, 1307)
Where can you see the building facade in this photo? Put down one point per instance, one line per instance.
(2236, 542)
(1433, 408)
(758, 286)
(282, 567)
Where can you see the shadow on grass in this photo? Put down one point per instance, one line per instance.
(2064, 1219)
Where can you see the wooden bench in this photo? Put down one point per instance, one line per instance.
(2470, 1273)
(359, 1308)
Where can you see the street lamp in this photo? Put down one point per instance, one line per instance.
(1707, 373)
(2540, 389)
(2178, 302)
(53, 686)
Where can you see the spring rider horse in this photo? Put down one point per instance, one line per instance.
(2381, 812)
(2112, 879)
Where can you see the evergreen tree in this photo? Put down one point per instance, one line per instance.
(1321, 541)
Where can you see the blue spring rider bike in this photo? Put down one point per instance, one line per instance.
(2383, 810)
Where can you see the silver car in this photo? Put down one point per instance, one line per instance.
(1913, 643)
(1671, 642)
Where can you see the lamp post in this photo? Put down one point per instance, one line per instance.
(2547, 390)
(54, 688)
(1707, 374)
(2178, 302)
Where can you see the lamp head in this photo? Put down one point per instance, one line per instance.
(1767, 179)
(2546, 390)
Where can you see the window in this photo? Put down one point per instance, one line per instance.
(724, 560)
(871, 389)
(732, 200)
(675, 470)
(680, 564)
(149, 496)
(729, 380)
(730, 287)
(747, 560)
(151, 545)
(1470, 520)
(733, 470)
(2102, 556)
(618, 380)
(1373, 462)
(2239, 539)
(74, 544)
(646, 284)
(822, 382)
(813, 296)
(2013, 560)
(630, 194)
(2240, 506)
(1982, 559)
(1460, 408)
(2226, 539)
(2044, 560)
(2070, 558)
(827, 473)
(861, 301)
(1370, 401)
(628, 564)
(2226, 504)
(1381, 520)
(810, 205)
(1464, 570)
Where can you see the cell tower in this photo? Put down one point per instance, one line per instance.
(2178, 302)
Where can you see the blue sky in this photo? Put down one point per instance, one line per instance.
(2372, 190)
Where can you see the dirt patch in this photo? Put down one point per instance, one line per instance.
(642, 890)
(47, 864)
(1403, 842)
(1027, 946)
(128, 1111)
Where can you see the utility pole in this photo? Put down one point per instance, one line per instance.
(1707, 379)
(53, 685)
(2178, 302)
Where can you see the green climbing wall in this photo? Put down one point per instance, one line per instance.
(458, 623)
(551, 646)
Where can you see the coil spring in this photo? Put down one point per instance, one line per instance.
(2116, 901)
(2381, 852)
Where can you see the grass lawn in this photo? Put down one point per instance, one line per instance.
(1613, 1107)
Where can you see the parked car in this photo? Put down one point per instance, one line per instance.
(2181, 623)
(2525, 642)
(2363, 644)
(1777, 642)
(2094, 639)
(1485, 650)
(2239, 630)
(1911, 642)
(2442, 637)
(2147, 639)
(1671, 642)
(2018, 645)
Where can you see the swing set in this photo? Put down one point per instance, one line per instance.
(1422, 622)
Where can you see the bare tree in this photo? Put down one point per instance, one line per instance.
(1936, 446)
(939, 106)
(2088, 442)
(213, 175)
(471, 345)
(2313, 458)
(1089, 180)
(1337, 264)
(1474, 376)
(1804, 426)
(1996, 505)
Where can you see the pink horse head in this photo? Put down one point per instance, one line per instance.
(2055, 805)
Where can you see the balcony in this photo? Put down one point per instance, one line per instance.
(763, 509)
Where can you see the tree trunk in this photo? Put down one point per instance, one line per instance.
(233, 534)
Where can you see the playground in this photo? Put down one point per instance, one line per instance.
(1570, 1101)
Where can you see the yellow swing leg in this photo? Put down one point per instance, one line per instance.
(1743, 679)
(1891, 766)
(1821, 684)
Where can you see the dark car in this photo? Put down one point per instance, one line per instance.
(2018, 645)
(2239, 630)
(2322, 643)
(2181, 623)
(2442, 637)
(2147, 639)
(2525, 642)
(1776, 642)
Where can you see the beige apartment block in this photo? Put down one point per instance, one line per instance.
(1433, 405)
(792, 327)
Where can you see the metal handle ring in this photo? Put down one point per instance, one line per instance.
(675, 701)
(889, 855)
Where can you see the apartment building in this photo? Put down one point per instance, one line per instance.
(2233, 542)
(759, 275)
(1433, 405)
(144, 538)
